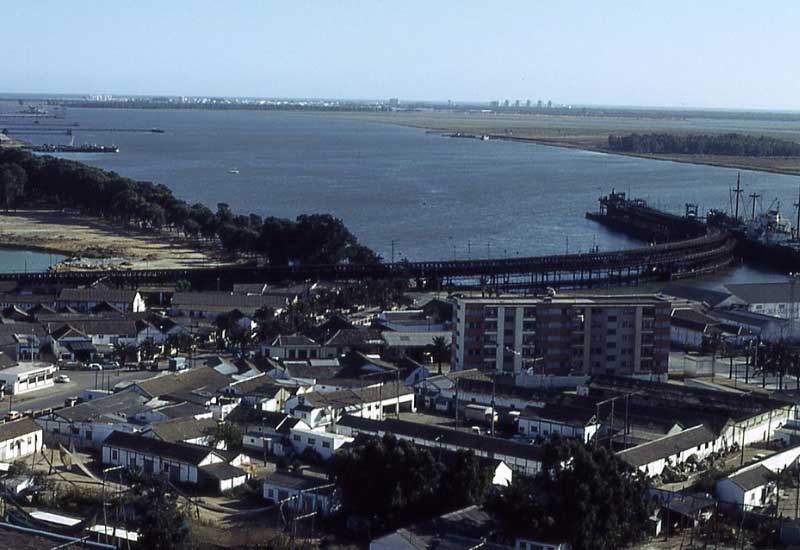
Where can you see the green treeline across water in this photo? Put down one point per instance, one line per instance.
(738, 145)
(28, 180)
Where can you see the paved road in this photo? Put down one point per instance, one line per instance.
(79, 380)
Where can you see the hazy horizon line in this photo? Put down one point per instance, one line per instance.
(444, 102)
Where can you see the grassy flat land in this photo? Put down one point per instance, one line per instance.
(89, 238)
(591, 132)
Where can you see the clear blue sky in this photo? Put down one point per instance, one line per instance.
(710, 53)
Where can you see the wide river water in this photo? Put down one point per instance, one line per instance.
(435, 197)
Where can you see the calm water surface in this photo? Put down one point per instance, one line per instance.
(436, 197)
(20, 261)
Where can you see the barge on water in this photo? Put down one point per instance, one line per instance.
(765, 239)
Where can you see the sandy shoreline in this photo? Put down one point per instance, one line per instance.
(98, 243)
(570, 132)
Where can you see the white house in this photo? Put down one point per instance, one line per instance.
(88, 424)
(690, 328)
(211, 305)
(520, 457)
(549, 419)
(324, 443)
(262, 392)
(19, 439)
(186, 430)
(747, 489)
(653, 456)
(295, 347)
(302, 493)
(753, 486)
(180, 461)
(27, 377)
(85, 299)
(775, 299)
(323, 408)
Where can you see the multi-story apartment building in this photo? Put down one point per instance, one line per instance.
(626, 335)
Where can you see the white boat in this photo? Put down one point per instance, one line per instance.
(233, 171)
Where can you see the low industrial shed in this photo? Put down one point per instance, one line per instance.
(222, 477)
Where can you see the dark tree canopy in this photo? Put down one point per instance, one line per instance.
(31, 180)
(585, 497)
(739, 145)
(391, 482)
(162, 525)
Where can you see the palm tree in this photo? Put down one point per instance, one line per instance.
(440, 348)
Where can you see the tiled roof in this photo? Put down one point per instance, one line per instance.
(695, 294)
(667, 446)
(18, 428)
(355, 337)
(748, 318)
(199, 300)
(183, 429)
(293, 340)
(444, 436)
(258, 385)
(752, 477)
(560, 413)
(222, 471)
(182, 410)
(354, 396)
(99, 294)
(124, 404)
(117, 327)
(65, 331)
(295, 482)
(764, 293)
(200, 378)
(414, 339)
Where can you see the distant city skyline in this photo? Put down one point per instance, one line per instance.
(727, 55)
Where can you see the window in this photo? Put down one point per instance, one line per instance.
(270, 493)
(114, 454)
(296, 437)
(326, 444)
(312, 441)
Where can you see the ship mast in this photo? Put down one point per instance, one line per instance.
(797, 224)
(738, 193)
(754, 196)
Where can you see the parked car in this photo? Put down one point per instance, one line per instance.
(71, 365)
(95, 366)
(12, 415)
(62, 379)
(110, 365)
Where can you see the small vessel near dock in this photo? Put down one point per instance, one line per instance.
(233, 171)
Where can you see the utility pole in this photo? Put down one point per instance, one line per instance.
(397, 387)
(457, 379)
(494, 383)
